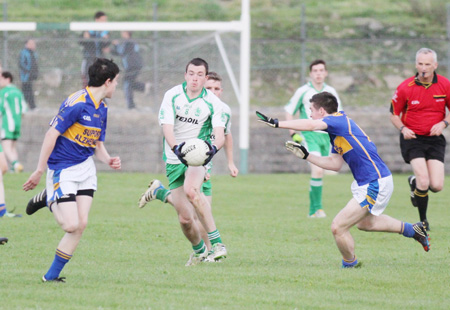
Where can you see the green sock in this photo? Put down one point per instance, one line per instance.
(199, 248)
(162, 194)
(315, 195)
(214, 237)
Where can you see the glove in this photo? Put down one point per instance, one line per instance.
(177, 151)
(297, 138)
(272, 122)
(212, 151)
(298, 149)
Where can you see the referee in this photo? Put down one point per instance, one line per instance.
(418, 110)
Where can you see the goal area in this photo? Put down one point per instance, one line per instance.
(165, 47)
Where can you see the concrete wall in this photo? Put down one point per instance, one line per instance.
(137, 138)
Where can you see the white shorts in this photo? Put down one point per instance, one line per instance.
(375, 195)
(71, 180)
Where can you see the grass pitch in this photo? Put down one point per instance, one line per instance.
(132, 258)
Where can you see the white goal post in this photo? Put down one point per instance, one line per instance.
(242, 26)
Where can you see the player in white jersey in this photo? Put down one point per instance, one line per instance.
(318, 142)
(157, 191)
(190, 111)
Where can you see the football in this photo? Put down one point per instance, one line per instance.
(194, 151)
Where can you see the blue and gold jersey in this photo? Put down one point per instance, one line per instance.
(82, 122)
(358, 151)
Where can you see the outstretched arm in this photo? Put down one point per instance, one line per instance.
(298, 124)
(332, 162)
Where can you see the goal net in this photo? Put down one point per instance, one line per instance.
(165, 49)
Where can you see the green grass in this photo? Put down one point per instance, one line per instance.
(270, 18)
(278, 259)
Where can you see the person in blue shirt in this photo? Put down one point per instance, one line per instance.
(373, 184)
(76, 133)
(29, 71)
(132, 62)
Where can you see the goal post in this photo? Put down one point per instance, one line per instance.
(241, 27)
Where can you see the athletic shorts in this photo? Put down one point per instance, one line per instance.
(207, 186)
(70, 180)
(175, 174)
(317, 142)
(428, 147)
(6, 134)
(375, 195)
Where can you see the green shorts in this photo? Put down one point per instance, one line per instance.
(207, 186)
(175, 174)
(6, 134)
(317, 142)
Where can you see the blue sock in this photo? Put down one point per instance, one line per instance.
(3, 211)
(61, 259)
(407, 230)
(349, 264)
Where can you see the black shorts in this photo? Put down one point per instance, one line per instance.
(428, 147)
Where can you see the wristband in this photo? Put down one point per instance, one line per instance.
(446, 123)
(401, 128)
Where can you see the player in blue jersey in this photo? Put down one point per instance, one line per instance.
(373, 184)
(76, 133)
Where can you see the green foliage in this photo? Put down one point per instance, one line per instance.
(132, 258)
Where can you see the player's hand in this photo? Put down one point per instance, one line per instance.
(408, 134)
(32, 181)
(212, 151)
(177, 151)
(115, 163)
(298, 149)
(437, 129)
(272, 122)
(234, 171)
(297, 138)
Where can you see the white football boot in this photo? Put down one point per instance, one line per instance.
(150, 193)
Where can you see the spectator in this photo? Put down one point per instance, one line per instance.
(29, 71)
(132, 65)
(95, 44)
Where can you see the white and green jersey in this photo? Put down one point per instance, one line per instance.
(12, 106)
(300, 101)
(191, 118)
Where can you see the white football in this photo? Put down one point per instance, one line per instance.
(194, 151)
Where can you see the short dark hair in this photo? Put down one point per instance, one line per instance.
(8, 75)
(99, 14)
(101, 70)
(317, 62)
(198, 62)
(214, 76)
(326, 101)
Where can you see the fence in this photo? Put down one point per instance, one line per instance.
(364, 71)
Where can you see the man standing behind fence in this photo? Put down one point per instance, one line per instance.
(418, 110)
(317, 142)
(95, 44)
(132, 62)
(29, 71)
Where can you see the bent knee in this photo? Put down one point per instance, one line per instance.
(186, 221)
(436, 188)
(192, 193)
(70, 227)
(336, 229)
